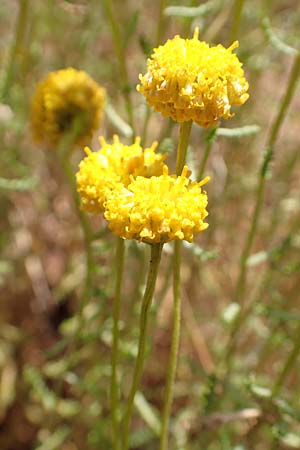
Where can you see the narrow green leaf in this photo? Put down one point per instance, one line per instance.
(192, 11)
(275, 40)
(117, 121)
(147, 412)
(199, 252)
(18, 185)
(247, 130)
(55, 440)
(130, 28)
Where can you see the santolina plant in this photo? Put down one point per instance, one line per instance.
(189, 81)
(143, 200)
(154, 210)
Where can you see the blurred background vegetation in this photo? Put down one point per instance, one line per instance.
(234, 390)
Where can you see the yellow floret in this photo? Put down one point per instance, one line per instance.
(188, 80)
(65, 99)
(158, 209)
(100, 172)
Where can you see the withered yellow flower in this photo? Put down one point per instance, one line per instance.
(158, 209)
(63, 100)
(100, 172)
(188, 80)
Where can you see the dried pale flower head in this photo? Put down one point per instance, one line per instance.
(158, 209)
(188, 80)
(65, 99)
(100, 172)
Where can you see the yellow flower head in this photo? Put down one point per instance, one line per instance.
(100, 172)
(158, 209)
(188, 80)
(65, 99)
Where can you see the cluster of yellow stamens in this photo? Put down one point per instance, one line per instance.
(188, 80)
(100, 172)
(158, 209)
(63, 100)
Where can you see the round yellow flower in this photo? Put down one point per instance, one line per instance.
(65, 99)
(188, 80)
(100, 172)
(158, 209)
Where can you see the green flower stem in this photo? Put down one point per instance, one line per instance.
(119, 266)
(169, 392)
(64, 151)
(85, 225)
(159, 36)
(184, 134)
(161, 21)
(237, 15)
(16, 47)
(156, 250)
(289, 363)
(210, 139)
(121, 58)
(269, 154)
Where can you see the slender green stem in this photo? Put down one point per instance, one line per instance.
(174, 348)
(88, 237)
(184, 134)
(237, 15)
(144, 317)
(64, 151)
(241, 282)
(119, 266)
(145, 125)
(289, 363)
(159, 36)
(16, 46)
(161, 21)
(121, 58)
(210, 139)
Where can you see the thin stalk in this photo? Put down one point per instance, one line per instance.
(159, 36)
(119, 266)
(15, 49)
(174, 348)
(121, 58)
(237, 15)
(84, 222)
(161, 21)
(269, 154)
(156, 250)
(64, 151)
(289, 363)
(184, 134)
(145, 125)
(210, 139)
